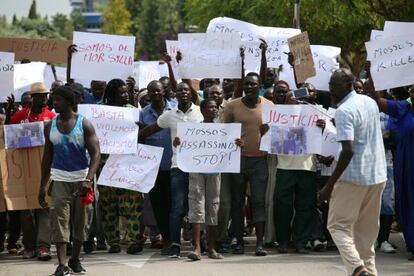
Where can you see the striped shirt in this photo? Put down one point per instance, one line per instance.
(358, 119)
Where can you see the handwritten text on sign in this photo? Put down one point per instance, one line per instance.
(299, 46)
(102, 57)
(276, 39)
(208, 147)
(136, 172)
(47, 50)
(147, 71)
(392, 61)
(6, 75)
(210, 55)
(115, 127)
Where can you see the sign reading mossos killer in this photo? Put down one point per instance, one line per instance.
(115, 127)
(102, 57)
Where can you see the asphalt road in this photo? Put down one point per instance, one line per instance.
(150, 262)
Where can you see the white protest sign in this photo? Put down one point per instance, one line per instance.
(293, 129)
(149, 71)
(211, 55)
(26, 74)
(208, 147)
(102, 57)
(115, 127)
(330, 147)
(325, 59)
(136, 172)
(376, 35)
(249, 33)
(172, 49)
(396, 28)
(392, 61)
(6, 75)
(27, 135)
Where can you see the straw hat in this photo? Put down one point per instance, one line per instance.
(38, 88)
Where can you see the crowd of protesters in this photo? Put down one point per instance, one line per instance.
(294, 203)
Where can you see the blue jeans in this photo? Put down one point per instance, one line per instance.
(179, 203)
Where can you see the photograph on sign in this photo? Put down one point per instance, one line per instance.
(27, 135)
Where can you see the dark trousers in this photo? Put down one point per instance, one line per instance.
(179, 203)
(160, 196)
(10, 222)
(320, 219)
(295, 193)
(253, 170)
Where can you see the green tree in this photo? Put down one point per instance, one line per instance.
(158, 20)
(78, 21)
(33, 11)
(14, 19)
(117, 19)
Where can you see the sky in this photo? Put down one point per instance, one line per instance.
(44, 7)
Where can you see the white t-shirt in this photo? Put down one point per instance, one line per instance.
(170, 119)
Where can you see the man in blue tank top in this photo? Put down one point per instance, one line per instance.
(68, 136)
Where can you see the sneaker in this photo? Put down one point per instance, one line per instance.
(116, 248)
(318, 246)
(75, 265)
(283, 249)
(223, 247)
(386, 247)
(89, 246)
(238, 249)
(260, 251)
(308, 245)
(174, 252)
(301, 250)
(12, 251)
(157, 244)
(43, 254)
(29, 254)
(61, 270)
(134, 248)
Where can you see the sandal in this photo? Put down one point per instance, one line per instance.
(194, 256)
(361, 271)
(214, 255)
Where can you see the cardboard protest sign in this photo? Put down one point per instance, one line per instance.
(208, 147)
(276, 39)
(211, 55)
(115, 127)
(102, 57)
(20, 176)
(27, 135)
(149, 71)
(47, 50)
(325, 58)
(396, 28)
(293, 129)
(172, 49)
(25, 75)
(136, 172)
(299, 46)
(392, 61)
(6, 75)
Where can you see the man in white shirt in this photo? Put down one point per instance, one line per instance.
(185, 111)
(356, 185)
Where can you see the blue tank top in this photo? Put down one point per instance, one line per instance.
(69, 150)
